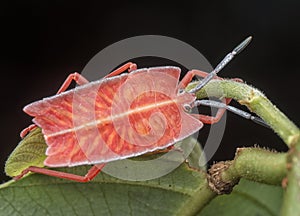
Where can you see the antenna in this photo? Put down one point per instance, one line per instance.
(222, 64)
(235, 110)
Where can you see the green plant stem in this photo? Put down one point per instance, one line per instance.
(202, 197)
(254, 164)
(256, 102)
(291, 201)
(257, 164)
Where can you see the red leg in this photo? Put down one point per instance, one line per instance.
(204, 118)
(237, 80)
(88, 177)
(190, 74)
(128, 66)
(27, 130)
(80, 80)
(213, 119)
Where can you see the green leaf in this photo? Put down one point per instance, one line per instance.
(179, 191)
(247, 198)
(29, 152)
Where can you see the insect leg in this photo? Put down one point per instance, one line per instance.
(190, 74)
(78, 78)
(27, 130)
(88, 177)
(128, 66)
(204, 118)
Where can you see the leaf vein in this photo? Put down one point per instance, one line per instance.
(105, 200)
(10, 204)
(87, 199)
(254, 200)
(29, 195)
(67, 202)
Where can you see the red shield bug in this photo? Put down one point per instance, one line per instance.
(120, 116)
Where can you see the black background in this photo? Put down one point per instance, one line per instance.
(41, 43)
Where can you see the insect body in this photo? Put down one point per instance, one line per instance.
(117, 117)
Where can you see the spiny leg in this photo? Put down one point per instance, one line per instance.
(88, 177)
(128, 66)
(78, 78)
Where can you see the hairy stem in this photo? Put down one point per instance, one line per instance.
(203, 195)
(254, 164)
(291, 201)
(256, 102)
(258, 165)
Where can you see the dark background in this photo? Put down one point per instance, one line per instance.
(41, 43)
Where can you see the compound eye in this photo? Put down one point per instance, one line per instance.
(187, 108)
(180, 91)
